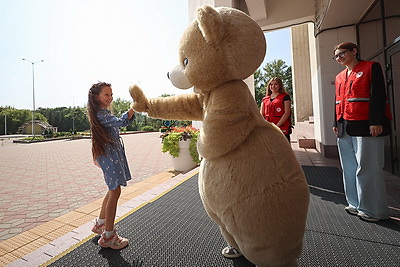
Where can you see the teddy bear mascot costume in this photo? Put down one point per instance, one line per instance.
(250, 182)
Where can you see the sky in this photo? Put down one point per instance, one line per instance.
(82, 42)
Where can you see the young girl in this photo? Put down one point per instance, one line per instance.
(276, 106)
(108, 154)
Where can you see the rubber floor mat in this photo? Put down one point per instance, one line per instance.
(175, 231)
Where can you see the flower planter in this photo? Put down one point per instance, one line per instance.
(181, 144)
(184, 161)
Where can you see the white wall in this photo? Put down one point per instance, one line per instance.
(324, 71)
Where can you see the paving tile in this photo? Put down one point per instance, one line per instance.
(89, 208)
(32, 259)
(18, 241)
(59, 232)
(6, 259)
(5, 226)
(70, 217)
(61, 244)
(15, 230)
(45, 228)
(82, 220)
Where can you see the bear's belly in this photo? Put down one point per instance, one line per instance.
(255, 170)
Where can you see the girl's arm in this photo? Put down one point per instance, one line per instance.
(286, 115)
(109, 120)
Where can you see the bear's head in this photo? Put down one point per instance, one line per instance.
(218, 46)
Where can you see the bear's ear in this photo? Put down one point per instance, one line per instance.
(210, 24)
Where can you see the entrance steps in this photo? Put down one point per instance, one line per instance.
(303, 133)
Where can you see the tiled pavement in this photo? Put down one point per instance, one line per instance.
(42, 181)
(52, 189)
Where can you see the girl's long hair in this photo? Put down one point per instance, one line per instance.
(279, 81)
(100, 136)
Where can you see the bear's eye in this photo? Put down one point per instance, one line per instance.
(185, 62)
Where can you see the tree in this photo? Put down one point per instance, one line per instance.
(120, 106)
(143, 120)
(259, 86)
(276, 68)
(66, 119)
(16, 118)
(56, 117)
(76, 119)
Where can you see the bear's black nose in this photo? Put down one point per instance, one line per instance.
(168, 75)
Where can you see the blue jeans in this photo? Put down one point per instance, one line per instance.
(362, 160)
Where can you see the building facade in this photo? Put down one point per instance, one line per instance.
(39, 127)
(316, 27)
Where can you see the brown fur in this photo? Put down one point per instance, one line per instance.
(250, 182)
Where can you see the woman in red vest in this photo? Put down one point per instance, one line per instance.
(276, 106)
(362, 119)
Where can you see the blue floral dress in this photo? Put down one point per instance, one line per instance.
(114, 163)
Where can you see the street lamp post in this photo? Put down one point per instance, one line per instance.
(33, 91)
(73, 115)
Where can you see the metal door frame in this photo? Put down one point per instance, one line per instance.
(392, 162)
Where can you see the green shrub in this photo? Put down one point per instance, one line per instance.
(148, 128)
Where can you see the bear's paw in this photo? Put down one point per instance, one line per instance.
(140, 101)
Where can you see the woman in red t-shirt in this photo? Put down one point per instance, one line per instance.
(276, 106)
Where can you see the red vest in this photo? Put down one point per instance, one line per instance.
(353, 92)
(274, 110)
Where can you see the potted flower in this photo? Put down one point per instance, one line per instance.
(181, 143)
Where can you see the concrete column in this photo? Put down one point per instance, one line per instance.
(301, 73)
